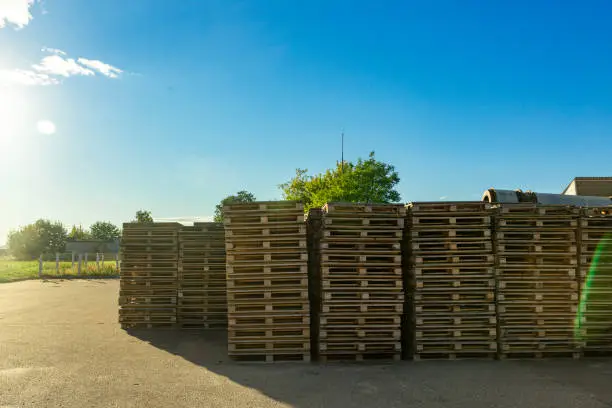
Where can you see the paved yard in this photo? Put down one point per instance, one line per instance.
(60, 346)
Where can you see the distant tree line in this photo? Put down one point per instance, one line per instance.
(364, 181)
(45, 236)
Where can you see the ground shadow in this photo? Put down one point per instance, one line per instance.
(388, 384)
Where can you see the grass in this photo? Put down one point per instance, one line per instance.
(12, 271)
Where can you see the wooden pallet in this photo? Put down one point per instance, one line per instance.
(454, 259)
(552, 223)
(521, 309)
(449, 309)
(286, 244)
(536, 237)
(300, 269)
(509, 273)
(366, 283)
(338, 258)
(540, 261)
(269, 219)
(457, 284)
(543, 296)
(344, 357)
(358, 296)
(285, 306)
(446, 247)
(150, 258)
(537, 285)
(483, 319)
(148, 325)
(444, 297)
(388, 272)
(433, 346)
(452, 272)
(351, 234)
(449, 207)
(158, 300)
(392, 247)
(338, 222)
(455, 355)
(391, 210)
(449, 221)
(529, 354)
(537, 210)
(447, 234)
(263, 206)
(353, 308)
(271, 358)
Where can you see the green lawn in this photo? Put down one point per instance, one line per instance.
(11, 271)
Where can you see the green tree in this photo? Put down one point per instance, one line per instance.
(143, 217)
(367, 181)
(240, 197)
(105, 231)
(43, 236)
(77, 233)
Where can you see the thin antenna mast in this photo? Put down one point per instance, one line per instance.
(342, 159)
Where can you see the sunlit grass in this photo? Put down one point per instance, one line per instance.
(11, 271)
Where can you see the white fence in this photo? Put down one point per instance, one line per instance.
(80, 264)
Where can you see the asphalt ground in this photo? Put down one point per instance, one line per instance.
(61, 346)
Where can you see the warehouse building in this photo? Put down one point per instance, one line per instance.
(590, 186)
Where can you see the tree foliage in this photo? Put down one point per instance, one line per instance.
(240, 197)
(105, 231)
(143, 217)
(78, 233)
(367, 181)
(31, 241)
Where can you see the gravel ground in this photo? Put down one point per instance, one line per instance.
(60, 346)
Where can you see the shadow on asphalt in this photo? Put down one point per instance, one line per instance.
(439, 383)
(299, 384)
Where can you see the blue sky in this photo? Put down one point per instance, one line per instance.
(170, 106)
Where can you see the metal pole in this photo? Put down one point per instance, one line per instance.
(98, 261)
(40, 266)
(103, 259)
(80, 260)
(117, 263)
(86, 260)
(342, 157)
(72, 264)
(57, 256)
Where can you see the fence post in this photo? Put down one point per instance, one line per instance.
(72, 265)
(98, 261)
(103, 259)
(80, 260)
(40, 266)
(117, 263)
(57, 263)
(86, 260)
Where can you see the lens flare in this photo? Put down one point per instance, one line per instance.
(598, 277)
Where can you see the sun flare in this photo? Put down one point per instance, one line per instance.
(46, 127)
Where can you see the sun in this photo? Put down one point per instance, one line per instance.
(46, 127)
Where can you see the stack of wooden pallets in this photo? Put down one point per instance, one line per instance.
(202, 300)
(267, 281)
(361, 296)
(537, 280)
(148, 284)
(451, 306)
(594, 325)
(314, 231)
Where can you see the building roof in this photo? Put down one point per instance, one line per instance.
(591, 186)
